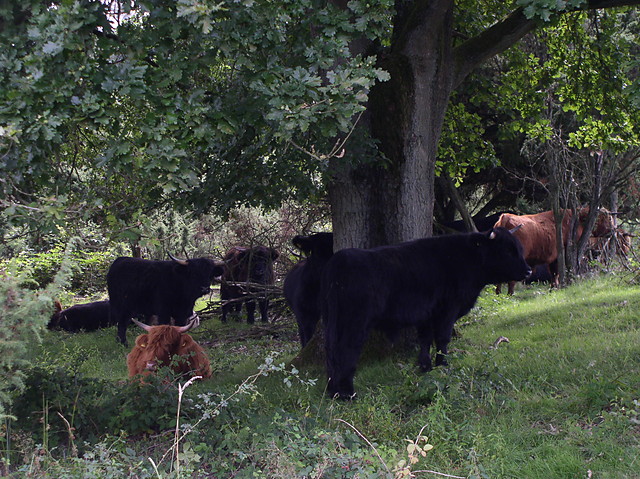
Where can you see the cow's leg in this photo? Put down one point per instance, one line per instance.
(512, 288)
(123, 321)
(345, 336)
(425, 338)
(307, 325)
(498, 288)
(224, 297)
(264, 307)
(555, 279)
(442, 339)
(251, 309)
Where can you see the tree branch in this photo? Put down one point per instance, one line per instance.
(490, 42)
(505, 33)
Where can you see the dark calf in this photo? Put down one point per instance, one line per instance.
(81, 317)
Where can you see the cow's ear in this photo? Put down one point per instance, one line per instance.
(186, 341)
(57, 305)
(302, 243)
(274, 253)
(218, 270)
(142, 340)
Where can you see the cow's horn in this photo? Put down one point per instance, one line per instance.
(194, 320)
(516, 228)
(142, 325)
(183, 262)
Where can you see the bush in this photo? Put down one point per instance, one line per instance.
(57, 395)
(88, 268)
(24, 315)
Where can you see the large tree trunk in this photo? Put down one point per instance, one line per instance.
(389, 199)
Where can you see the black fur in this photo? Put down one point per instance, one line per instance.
(81, 317)
(166, 289)
(242, 265)
(427, 284)
(302, 284)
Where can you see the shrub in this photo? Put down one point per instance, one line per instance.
(87, 268)
(55, 393)
(24, 315)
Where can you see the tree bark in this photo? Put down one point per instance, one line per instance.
(391, 200)
(448, 186)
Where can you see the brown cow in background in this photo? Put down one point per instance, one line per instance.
(170, 346)
(246, 265)
(538, 236)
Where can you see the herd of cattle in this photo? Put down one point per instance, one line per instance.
(427, 284)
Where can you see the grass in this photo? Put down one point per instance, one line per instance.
(560, 399)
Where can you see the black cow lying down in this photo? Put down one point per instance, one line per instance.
(427, 283)
(302, 285)
(87, 317)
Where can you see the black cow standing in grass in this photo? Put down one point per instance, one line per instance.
(427, 283)
(166, 289)
(246, 265)
(302, 285)
(81, 317)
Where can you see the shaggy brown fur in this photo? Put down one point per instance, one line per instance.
(537, 234)
(163, 345)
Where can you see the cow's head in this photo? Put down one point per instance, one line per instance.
(198, 273)
(57, 317)
(604, 225)
(504, 259)
(161, 344)
(252, 264)
(316, 245)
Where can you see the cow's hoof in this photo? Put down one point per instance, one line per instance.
(441, 360)
(426, 367)
(344, 396)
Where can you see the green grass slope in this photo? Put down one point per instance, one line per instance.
(560, 398)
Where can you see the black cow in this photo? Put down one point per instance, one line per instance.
(246, 265)
(166, 289)
(483, 223)
(427, 283)
(540, 274)
(302, 284)
(87, 317)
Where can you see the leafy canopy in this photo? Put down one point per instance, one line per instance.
(127, 104)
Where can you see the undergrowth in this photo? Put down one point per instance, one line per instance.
(556, 397)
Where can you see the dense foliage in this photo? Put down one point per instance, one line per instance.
(25, 312)
(111, 108)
